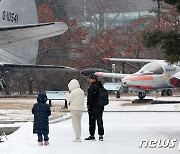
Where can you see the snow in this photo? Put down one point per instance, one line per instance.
(125, 104)
(21, 109)
(124, 132)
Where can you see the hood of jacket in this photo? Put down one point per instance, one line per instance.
(73, 84)
(42, 98)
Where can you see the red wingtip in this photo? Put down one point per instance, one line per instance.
(106, 59)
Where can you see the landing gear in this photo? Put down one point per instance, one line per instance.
(141, 95)
(118, 94)
(166, 92)
(2, 84)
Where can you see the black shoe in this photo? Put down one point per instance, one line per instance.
(90, 138)
(101, 138)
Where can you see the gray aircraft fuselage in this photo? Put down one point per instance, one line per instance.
(18, 12)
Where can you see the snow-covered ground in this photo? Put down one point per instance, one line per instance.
(19, 109)
(121, 104)
(125, 104)
(124, 132)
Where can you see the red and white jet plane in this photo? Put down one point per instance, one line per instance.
(157, 74)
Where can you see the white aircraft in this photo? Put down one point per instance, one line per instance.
(20, 33)
(157, 74)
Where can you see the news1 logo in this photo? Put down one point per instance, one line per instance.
(162, 143)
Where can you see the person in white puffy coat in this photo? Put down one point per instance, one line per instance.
(75, 99)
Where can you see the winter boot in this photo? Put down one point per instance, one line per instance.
(40, 144)
(77, 140)
(90, 138)
(100, 138)
(46, 143)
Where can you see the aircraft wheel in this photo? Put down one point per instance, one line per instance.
(168, 92)
(141, 95)
(118, 94)
(163, 93)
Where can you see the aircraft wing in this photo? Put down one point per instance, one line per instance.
(23, 67)
(30, 32)
(132, 60)
(111, 75)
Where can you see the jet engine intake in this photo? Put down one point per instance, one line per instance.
(174, 81)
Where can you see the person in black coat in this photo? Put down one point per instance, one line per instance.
(95, 110)
(41, 112)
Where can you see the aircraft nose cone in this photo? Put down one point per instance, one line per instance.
(124, 81)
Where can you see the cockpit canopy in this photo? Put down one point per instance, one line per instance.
(151, 68)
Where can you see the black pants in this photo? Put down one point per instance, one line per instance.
(96, 115)
(40, 137)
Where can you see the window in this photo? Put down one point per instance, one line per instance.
(152, 68)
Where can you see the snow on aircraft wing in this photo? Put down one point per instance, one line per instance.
(111, 75)
(30, 32)
(132, 60)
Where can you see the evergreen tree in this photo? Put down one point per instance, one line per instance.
(168, 41)
(174, 2)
